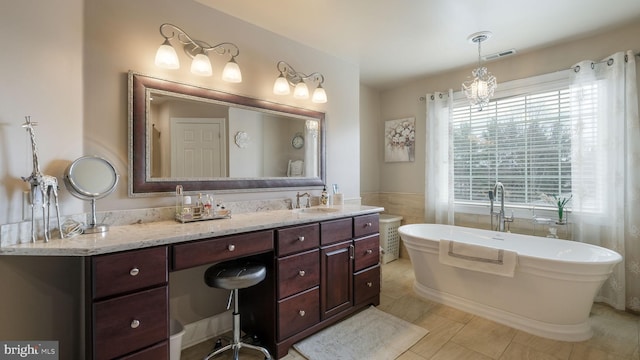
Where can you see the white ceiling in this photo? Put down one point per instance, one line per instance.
(395, 40)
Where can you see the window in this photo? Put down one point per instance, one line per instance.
(523, 141)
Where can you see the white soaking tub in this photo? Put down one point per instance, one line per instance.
(550, 293)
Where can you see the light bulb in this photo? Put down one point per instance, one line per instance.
(301, 91)
(166, 56)
(201, 65)
(231, 72)
(281, 86)
(319, 95)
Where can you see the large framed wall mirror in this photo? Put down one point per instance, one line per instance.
(207, 140)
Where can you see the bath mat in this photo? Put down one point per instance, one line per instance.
(371, 334)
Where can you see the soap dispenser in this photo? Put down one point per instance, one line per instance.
(324, 199)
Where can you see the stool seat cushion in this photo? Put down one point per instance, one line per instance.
(234, 274)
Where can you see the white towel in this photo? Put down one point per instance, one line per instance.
(478, 258)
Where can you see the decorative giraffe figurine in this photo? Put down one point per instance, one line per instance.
(45, 185)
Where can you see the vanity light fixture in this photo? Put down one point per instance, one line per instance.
(480, 88)
(166, 56)
(290, 77)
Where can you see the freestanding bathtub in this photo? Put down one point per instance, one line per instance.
(549, 295)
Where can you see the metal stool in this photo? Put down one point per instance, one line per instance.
(234, 275)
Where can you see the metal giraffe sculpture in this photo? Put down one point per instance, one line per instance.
(45, 185)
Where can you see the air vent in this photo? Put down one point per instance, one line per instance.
(499, 55)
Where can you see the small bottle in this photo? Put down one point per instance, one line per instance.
(197, 209)
(324, 199)
(208, 200)
(187, 214)
(179, 200)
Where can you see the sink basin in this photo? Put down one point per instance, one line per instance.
(315, 211)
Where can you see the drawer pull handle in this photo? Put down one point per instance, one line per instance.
(135, 271)
(369, 251)
(231, 247)
(369, 284)
(302, 313)
(135, 323)
(368, 224)
(302, 273)
(301, 238)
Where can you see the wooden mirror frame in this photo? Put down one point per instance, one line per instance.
(140, 184)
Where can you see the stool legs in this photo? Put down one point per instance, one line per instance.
(236, 344)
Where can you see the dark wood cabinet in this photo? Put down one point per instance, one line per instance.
(366, 284)
(128, 304)
(347, 259)
(318, 273)
(337, 278)
(221, 248)
(298, 313)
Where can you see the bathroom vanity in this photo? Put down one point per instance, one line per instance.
(321, 267)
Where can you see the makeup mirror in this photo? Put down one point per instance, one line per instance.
(91, 178)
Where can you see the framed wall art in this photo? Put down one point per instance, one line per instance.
(399, 140)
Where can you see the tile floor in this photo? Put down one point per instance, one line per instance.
(458, 335)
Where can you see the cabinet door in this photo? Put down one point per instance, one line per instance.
(336, 292)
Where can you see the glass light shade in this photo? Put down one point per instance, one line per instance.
(281, 86)
(319, 95)
(301, 91)
(480, 89)
(201, 65)
(231, 72)
(166, 56)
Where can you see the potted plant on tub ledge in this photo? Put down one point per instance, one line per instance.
(560, 202)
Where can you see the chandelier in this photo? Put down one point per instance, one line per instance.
(480, 88)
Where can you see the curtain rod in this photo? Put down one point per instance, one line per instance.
(423, 98)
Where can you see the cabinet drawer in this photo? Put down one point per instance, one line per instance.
(367, 252)
(298, 272)
(298, 313)
(365, 225)
(219, 249)
(127, 271)
(297, 239)
(366, 284)
(158, 351)
(336, 231)
(131, 322)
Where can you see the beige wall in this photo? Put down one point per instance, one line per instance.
(65, 63)
(41, 72)
(403, 183)
(371, 140)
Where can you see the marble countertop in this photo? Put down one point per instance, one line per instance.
(136, 236)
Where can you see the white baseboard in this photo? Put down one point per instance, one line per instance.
(206, 329)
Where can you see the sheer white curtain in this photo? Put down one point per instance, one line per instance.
(438, 194)
(605, 169)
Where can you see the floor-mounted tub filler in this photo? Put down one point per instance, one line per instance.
(543, 286)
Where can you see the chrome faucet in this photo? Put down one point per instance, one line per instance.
(298, 196)
(502, 218)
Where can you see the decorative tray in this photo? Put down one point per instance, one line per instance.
(217, 215)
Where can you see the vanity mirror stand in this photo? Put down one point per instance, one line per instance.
(91, 178)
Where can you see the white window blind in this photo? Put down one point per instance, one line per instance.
(523, 141)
